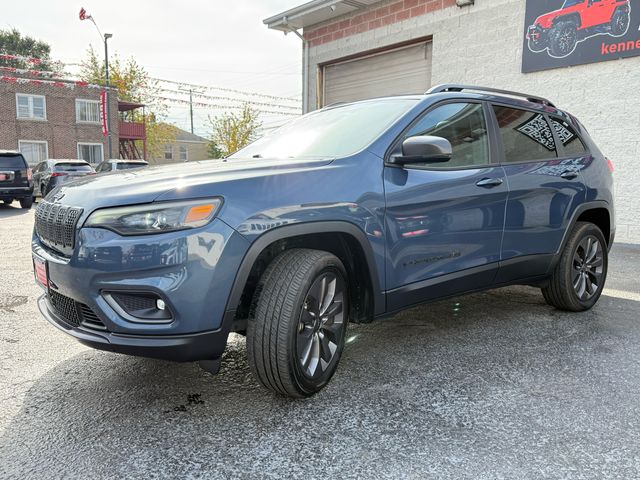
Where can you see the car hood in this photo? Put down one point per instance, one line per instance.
(546, 19)
(145, 185)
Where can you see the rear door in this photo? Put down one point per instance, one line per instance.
(545, 187)
(444, 221)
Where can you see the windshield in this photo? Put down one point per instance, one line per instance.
(73, 167)
(334, 132)
(571, 3)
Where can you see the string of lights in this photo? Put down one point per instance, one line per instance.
(220, 106)
(224, 89)
(229, 99)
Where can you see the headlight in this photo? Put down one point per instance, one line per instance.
(155, 217)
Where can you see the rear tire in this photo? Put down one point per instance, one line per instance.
(296, 335)
(563, 37)
(26, 203)
(578, 279)
(619, 23)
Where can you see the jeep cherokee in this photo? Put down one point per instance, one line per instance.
(346, 214)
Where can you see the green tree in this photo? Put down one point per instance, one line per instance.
(134, 85)
(233, 131)
(12, 42)
(214, 150)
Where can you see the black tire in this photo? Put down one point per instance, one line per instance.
(619, 23)
(537, 45)
(563, 37)
(26, 203)
(566, 283)
(283, 323)
(43, 190)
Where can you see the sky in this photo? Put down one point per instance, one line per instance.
(217, 43)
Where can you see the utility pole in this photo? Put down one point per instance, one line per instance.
(107, 36)
(191, 107)
(85, 16)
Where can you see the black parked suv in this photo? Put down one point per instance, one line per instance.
(16, 182)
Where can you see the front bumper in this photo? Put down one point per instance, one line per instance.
(536, 33)
(192, 271)
(179, 348)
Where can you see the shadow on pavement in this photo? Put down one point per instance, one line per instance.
(495, 384)
(12, 210)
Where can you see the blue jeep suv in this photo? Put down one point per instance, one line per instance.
(347, 214)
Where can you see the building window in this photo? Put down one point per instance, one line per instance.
(87, 111)
(184, 153)
(168, 152)
(90, 152)
(31, 106)
(33, 151)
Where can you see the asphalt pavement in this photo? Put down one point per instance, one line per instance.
(489, 385)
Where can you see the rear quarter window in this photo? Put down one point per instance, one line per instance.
(12, 162)
(571, 141)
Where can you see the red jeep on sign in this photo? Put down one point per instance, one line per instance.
(575, 21)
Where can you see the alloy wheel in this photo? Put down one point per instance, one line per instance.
(587, 267)
(321, 325)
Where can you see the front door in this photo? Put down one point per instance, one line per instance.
(444, 221)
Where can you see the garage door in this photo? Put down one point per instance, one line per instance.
(393, 72)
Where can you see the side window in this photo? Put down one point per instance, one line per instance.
(572, 143)
(526, 136)
(464, 125)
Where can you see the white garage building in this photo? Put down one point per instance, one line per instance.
(356, 49)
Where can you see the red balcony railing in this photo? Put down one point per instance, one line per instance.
(132, 130)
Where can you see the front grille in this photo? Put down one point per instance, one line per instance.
(75, 313)
(56, 226)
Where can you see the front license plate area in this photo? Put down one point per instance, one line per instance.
(41, 272)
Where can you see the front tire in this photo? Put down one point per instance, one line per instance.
(296, 335)
(578, 279)
(563, 37)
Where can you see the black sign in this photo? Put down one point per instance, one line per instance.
(560, 33)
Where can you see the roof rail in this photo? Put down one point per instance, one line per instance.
(453, 87)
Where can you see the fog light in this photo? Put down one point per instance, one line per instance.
(144, 307)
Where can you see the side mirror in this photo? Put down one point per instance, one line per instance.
(424, 149)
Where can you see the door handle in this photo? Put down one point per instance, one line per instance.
(489, 182)
(569, 175)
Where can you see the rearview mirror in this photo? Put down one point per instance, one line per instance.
(424, 149)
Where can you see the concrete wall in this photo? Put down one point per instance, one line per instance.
(60, 129)
(482, 45)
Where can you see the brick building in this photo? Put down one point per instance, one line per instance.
(367, 48)
(55, 121)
